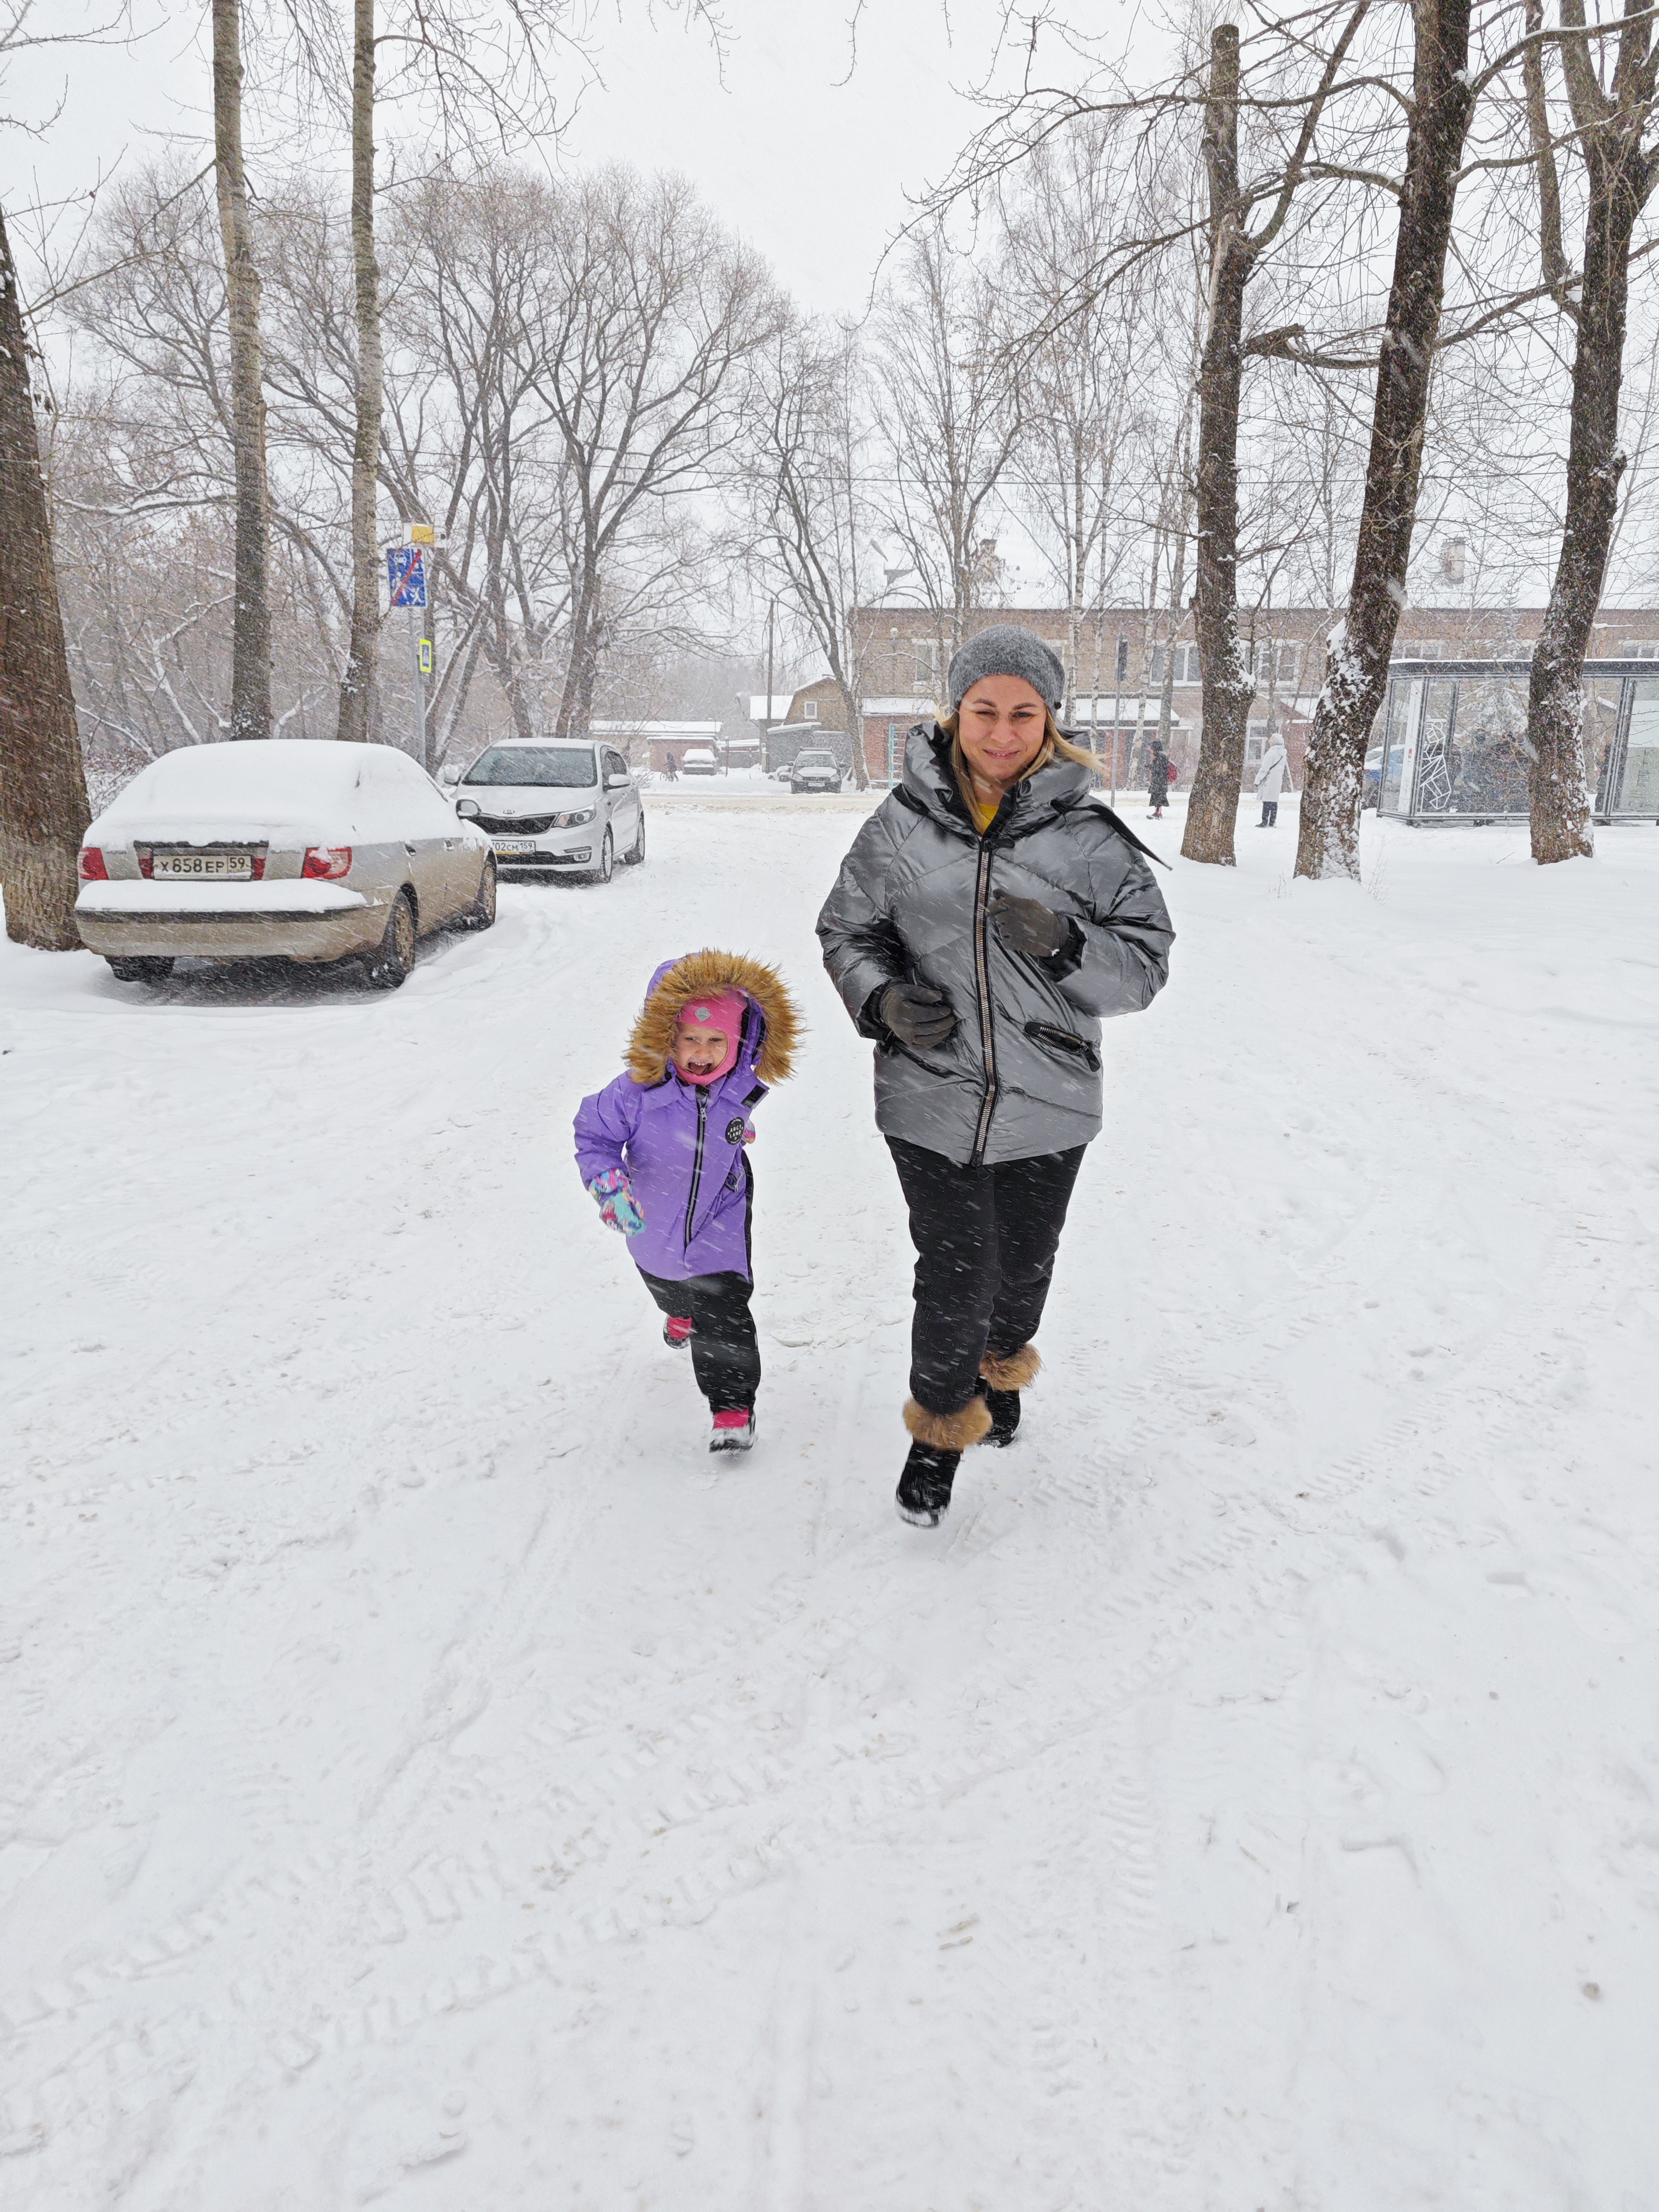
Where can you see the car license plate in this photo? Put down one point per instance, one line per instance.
(511, 847)
(219, 868)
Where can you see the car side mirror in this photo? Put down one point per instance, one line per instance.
(450, 771)
(616, 783)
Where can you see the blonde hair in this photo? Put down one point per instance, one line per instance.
(1055, 745)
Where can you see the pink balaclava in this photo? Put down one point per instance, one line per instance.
(725, 1012)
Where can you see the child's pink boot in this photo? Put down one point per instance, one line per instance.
(677, 1331)
(733, 1431)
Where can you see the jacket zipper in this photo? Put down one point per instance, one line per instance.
(987, 1043)
(696, 1163)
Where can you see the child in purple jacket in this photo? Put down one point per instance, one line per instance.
(662, 1151)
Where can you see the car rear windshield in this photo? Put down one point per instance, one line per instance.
(563, 767)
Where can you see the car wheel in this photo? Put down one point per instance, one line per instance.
(481, 914)
(151, 968)
(391, 964)
(602, 874)
(636, 857)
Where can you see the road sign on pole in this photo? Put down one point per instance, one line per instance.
(405, 569)
(423, 655)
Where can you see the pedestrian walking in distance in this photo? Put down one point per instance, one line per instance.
(991, 911)
(1157, 780)
(671, 768)
(1270, 779)
(662, 1149)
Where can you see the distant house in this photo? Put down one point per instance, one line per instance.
(901, 650)
(648, 744)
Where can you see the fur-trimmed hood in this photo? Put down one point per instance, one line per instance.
(703, 974)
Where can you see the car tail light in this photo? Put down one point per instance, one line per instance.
(90, 867)
(327, 863)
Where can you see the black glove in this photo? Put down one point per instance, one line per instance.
(917, 1014)
(1027, 926)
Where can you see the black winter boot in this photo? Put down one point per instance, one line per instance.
(1004, 1412)
(1002, 1377)
(924, 1491)
(937, 1444)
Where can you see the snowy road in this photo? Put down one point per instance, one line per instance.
(425, 1782)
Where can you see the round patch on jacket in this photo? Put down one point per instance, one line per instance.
(734, 1131)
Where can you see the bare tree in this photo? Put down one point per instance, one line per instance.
(949, 415)
(1442, 102)
(43, 792)
(1084, 380)
(809, 502)
(1235, 252)
(1610, 122)
(644, 349)
(250, 675)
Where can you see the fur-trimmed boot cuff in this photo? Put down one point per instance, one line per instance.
(1013, 1371)
(948, 1431)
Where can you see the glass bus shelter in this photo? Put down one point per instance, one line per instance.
(1454, 741)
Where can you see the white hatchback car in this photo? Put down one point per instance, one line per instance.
(563, 803)
(296, 847)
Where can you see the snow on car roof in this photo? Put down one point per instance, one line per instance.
(262, 787)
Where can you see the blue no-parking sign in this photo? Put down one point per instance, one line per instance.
(405, 569)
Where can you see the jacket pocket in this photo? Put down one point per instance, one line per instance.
(1065, 1042)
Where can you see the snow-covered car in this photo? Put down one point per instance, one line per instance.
(299, 848)
(815, 770)
(698, 760)
(565, 803)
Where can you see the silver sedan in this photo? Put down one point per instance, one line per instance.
(296, 848)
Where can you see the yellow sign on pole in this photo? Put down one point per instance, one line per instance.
(424, 653)
(422, 533)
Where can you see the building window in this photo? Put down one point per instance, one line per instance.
(1420, 648)
(1634, 648)
(811, 710)
(926, 665)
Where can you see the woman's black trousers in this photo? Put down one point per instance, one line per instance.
(985, 1239)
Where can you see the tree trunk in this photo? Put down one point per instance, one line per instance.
(849, 708)
(250, 651)
(1357, 669)
(362, 657)
(1620, 182)
(582, 669)
(1228, 688)
(42, 786)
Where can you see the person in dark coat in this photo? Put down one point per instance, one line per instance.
(990, 912)
(1158, 779)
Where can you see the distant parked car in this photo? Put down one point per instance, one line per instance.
(698, 760)
(815, 770)
(564, 803)
(297, 848)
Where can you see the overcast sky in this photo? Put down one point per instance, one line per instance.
(804, 149)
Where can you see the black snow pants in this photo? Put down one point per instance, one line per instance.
(1269, 814)
(724, 1352)
(985, 1240)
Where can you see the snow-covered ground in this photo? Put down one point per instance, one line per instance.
(427, 1781)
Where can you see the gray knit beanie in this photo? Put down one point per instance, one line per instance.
(1006, 649)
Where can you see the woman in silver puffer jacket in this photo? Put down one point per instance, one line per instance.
(991, 912)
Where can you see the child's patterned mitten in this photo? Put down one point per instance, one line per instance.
(615, 1195)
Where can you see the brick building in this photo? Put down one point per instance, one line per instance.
(903, 660)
